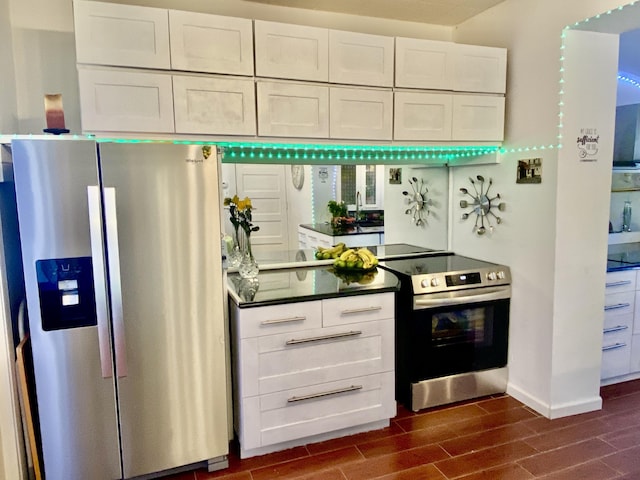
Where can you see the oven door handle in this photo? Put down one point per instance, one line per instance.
(461, 297)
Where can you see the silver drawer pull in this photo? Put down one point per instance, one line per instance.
(615, 329)
(614, 346)
(361, 310)
(311, 396)
(282, 320)
(295, 341)
(616, 306)
(618, 284)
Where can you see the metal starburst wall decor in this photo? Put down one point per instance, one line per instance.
(482, 205)
(418, 202)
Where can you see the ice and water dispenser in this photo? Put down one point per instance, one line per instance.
(67, 296)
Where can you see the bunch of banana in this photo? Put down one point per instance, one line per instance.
(361, 259)
(324, 253)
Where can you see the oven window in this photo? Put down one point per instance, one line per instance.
(471, 325)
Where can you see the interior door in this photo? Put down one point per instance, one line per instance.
(265, 186)
(162, 215)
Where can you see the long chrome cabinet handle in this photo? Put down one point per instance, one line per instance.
(113, 250)
(311, 396)
(435, 301)
(296, 341)
(618, 328)
(614, 346)
(616, 306)
(361, 310)
(618, 284)
(99, 282)
(276, 321)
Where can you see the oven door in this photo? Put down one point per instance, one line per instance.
(458, 332)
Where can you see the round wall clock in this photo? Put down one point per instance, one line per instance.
(482, 205)
(297, 176)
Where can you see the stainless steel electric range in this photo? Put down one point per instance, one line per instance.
(452, 328)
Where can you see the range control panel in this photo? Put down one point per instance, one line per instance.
(67, 296)
(445, 281)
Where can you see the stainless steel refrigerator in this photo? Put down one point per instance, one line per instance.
(124, 284)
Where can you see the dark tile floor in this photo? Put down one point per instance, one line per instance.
(484, 439)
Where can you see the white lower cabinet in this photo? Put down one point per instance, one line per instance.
(121, 100)
(620, 354)
(310, 370)
(308, 238)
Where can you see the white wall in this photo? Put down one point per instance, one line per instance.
(398, 227)
(536, 238)
(8, 110)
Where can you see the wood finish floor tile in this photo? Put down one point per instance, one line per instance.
(494, 438)
(393, 463)
(587, 471)
(565, 457)
(308, 465)
(485, 459)
(505, 472)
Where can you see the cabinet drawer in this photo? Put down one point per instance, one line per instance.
(315, 409)
(361, 308)
(115, 100)
(620, 281)
(620, 303)
(360, 113)
(214, 105)
(616, 358)
(125, 35)
(281, 362)
(278, 319)
(299, 52)
(203, 42)
(292, 110)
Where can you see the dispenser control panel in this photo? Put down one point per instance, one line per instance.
(67, 296)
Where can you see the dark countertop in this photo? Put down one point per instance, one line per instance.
(273, 287)
(328, 229)
(623, 256)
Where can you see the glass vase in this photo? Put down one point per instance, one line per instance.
(234, 256)
(248, 267)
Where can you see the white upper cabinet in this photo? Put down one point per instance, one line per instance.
(360, 113)
(422, 116)
(124, 35)
(290, 51)
(211, 43)
(292, 110)
(224, 106)
(478, 118)
(360, 59)
(125, 101)
(480, 69)
(424, 64)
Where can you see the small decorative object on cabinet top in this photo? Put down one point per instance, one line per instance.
(482, 205)
(418, 202)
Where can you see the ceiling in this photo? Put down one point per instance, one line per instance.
(437, 12)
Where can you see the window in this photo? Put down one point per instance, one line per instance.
(368, 180)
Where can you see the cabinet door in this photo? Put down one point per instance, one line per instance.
(291, 51)
(479, 69)
(214, 105)
(125, 101)
(126, 35)
(293, 110)
(211, 43)
(424, 64)
(422, 116)
(360, 113)
(477, 118)
(360, 59)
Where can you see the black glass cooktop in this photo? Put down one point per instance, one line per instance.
(436, 263)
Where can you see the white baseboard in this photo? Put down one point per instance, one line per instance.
(554, 411)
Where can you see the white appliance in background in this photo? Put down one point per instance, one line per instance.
(124, 284)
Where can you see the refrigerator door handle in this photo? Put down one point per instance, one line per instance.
(99, 283)
(111, 222)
